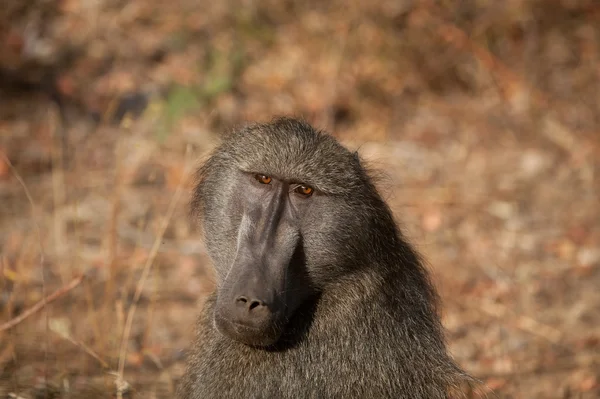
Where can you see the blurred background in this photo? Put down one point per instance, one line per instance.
(484, 117)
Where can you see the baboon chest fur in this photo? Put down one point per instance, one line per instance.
(318, 294)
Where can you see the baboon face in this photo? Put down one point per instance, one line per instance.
(279, 204)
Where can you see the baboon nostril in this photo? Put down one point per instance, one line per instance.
(242, 299)
(254, 304)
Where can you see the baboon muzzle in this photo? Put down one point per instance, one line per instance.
(252, 303)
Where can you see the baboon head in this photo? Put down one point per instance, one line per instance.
(286, 211)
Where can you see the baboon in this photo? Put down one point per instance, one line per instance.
(318, 294)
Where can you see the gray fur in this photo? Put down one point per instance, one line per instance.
(367, 328)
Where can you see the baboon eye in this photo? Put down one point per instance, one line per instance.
(263, 179)
(304, 190)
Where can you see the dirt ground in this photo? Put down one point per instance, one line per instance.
(483, 116)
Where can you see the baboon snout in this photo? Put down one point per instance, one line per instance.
(250, 310)
(252, 304)
(252, 300)
(250, 318)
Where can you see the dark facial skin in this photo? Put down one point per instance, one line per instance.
(254, 302)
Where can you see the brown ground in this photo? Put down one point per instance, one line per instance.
(484, 118)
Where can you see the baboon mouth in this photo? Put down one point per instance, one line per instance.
(263, 336)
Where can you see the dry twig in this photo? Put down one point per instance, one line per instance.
(41, 304)
(83, 346)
